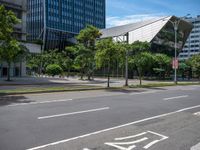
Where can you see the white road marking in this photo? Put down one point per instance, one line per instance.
(117, 145)
(65, 100)
(73, 113)
(132, 144)
(196, 147)
(113, 128)
(156, 141)
(177, 97)
(43, 102)
(147, 92)
(197, 114)
(130, 137)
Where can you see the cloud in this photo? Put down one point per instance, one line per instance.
(117, 21)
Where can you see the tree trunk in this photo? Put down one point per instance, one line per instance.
(8, 72)
(68, 72)
(82, 74)
(89, 77)
(140, 77)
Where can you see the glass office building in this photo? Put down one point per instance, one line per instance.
(57, 22)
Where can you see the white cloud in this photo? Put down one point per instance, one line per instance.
(117, 21)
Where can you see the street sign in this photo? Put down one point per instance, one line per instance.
(175, 63)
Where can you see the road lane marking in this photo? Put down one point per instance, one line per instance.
(73, 113)
(197, 114)
(130, 137)
(65, 100)
(156, 141)
(196, 147)
(177, 97)
(122, 145)
(146, 92)
(44, 102)
(113, 128)
(117, 145)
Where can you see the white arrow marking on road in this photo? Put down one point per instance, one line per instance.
(156, 141)
(119, 145)
(177, 97)
(113, 128)
(130, 137)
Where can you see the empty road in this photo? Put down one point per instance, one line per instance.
(155, 119)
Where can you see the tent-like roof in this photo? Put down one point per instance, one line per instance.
(122, 30)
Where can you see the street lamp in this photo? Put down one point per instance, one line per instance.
(175, 26)
(127, 53)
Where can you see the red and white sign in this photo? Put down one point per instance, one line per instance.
(175, 64)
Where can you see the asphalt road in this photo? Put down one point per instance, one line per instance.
(155, 119)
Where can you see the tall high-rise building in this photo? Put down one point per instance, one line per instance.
(192, 46)
(57, 22)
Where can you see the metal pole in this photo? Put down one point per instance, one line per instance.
(45, 25)
(175, 55)
(126, 74)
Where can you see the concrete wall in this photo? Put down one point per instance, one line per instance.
(21, 68)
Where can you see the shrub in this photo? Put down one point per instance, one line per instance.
(54, 69)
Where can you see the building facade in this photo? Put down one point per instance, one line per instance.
(159, 32)
(18, 69)
(57, 22)
(192, 46)
(19, 8)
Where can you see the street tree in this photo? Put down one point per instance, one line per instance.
(194, 62)
(107, 54)
(139, 47)
(143, 62)
(54, 69)
(162, 64)
(87, 38)
(139, 57)
(81, 61)
(7, 22)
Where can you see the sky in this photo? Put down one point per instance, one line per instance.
(120, 12)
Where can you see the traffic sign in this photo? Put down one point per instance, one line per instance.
(175, 63)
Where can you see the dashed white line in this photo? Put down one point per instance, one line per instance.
(73, 113)
(113, 128)
(43, 102)
(177, 97)
(147, 92)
